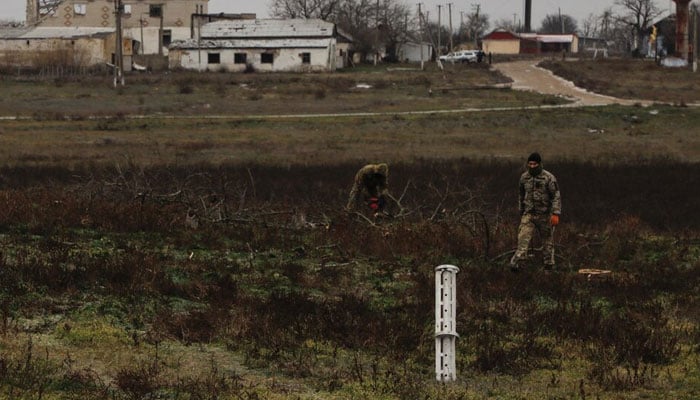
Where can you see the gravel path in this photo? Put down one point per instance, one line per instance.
(527, 76)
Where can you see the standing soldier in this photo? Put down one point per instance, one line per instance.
(540, 206)
(370, 185)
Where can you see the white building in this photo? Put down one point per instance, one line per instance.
(413, 51)
(264, 45)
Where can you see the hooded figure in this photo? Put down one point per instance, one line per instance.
(539, 203)
(370, 186)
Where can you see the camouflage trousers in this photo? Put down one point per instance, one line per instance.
(529, 225)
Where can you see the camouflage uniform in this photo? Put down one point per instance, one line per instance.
(371, 181)
(539, 199)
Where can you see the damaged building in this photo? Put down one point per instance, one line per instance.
(87, 28)
(264, 45)
(150, 25)
(56, 47)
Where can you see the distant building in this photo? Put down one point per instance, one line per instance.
(507, 42)
(411, 51)
(56, 46)
(265, 45)
(150, 25)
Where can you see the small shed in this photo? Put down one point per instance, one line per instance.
(265, 45)
(553, 43)
(501, 41)
(411, 51)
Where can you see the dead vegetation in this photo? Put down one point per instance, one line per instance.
(209, 258)
(260, 266)
(631, 79)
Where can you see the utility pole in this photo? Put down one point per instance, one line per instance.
(118, 50)
(695, 39)
(376, 36)
(160, 32)
(449, 8)
(422, 35)
(439, 30)
(476, 25)
(561, 21)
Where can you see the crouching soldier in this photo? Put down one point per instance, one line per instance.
(371, 188)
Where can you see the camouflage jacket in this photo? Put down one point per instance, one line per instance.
(370, 181)
(539, 194)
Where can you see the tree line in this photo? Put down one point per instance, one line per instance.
(388, 23)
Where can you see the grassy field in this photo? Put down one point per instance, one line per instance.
(627, 79)
(184, 238)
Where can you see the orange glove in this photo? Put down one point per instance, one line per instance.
(554, 220)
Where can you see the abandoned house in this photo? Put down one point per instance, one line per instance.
(264, 45)
(150, 25)
(56, 46)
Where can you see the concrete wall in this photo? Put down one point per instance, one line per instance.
(501, 46)
(83, 52)
(411, 52)
(150, 38)
(283, 60)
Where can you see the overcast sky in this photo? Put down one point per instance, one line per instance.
(496, 9)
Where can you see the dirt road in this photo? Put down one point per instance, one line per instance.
(527, 76)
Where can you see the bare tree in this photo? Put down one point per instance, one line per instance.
(371, 23)
(559, 23)
(606, 23)
(433, 30)
(374, 23)
(476, 25)
(589, 27)
(637, 15)
(506, 24)
(393, 17)
(322, 9)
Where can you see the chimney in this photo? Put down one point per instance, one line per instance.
(528, 16)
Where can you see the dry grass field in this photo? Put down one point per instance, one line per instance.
(184, 237)
(631, 79)
(393, 114)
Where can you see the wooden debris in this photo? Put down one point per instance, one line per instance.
(592, 273)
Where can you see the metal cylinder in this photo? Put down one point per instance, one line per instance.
(445, 322)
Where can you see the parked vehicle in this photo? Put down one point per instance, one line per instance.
(463, 56)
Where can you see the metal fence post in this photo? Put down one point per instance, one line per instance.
(445, 322)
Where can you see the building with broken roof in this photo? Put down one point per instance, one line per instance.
(266, 45)
(150, 25)
(80, 33)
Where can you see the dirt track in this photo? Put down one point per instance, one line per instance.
(527, 76)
